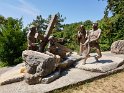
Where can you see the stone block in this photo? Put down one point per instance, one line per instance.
(118, 47)
(103, 65)
(53, 76)
(71, 60)
(37, 62)
(32, 79)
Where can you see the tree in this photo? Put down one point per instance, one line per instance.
(69, 33)
(112, 27)
(115, 6)
(59, 25)
(40, 23)
(2, 21)
(88, 24)
(117, 19)
(12, 41)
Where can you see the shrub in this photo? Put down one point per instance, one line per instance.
(12, 41)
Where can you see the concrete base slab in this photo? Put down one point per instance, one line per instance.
(68, 77)
(12, 75)
(103, 65)
(72, 59)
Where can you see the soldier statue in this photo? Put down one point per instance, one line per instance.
(32, 37)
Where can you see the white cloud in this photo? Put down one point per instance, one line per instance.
(28, 8)
(25, 7)
(18, 9)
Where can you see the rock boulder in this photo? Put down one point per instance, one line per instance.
(118, 47)
(37, 65)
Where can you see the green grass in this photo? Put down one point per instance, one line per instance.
(3, 64)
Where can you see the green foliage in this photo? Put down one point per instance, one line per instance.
(104, 47)
(40, 23)
(69, 33)
(13, 37)
(112, 27)
(115, 6)
(12, 41)
(88, 24)
(60, 20)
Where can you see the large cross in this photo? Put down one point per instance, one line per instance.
(48, 32)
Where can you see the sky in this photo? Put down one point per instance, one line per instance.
(73, 10)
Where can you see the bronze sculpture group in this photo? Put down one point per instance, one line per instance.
(44, 65)
(87, 40)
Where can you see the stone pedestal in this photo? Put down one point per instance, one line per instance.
(53, 76)
(12, 75)
(38, 65)
(106, 63)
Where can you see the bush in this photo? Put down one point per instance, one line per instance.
(12, 42)
(104, 47)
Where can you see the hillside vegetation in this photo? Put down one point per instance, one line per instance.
(13, 34)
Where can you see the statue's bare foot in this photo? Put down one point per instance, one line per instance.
(96, 58)
(89, 56)
(80, 54)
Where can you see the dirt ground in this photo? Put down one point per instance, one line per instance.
(110, 84)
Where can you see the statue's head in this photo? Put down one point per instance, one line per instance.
(95, 26)
(32, 28)
(81, 27)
